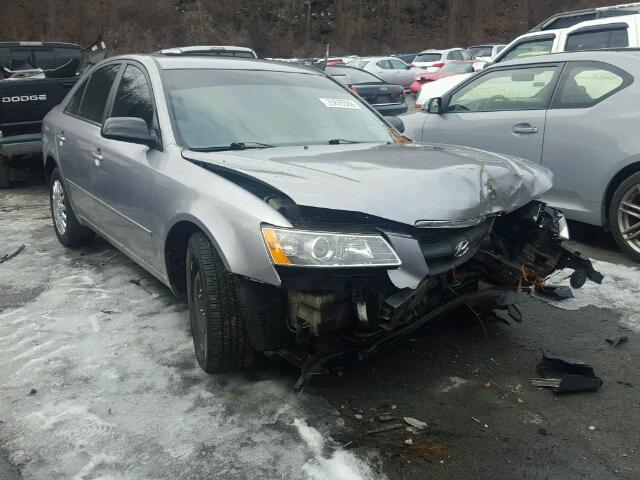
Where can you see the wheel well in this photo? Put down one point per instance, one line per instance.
(49, 165)
(615, 182)
(175, 252)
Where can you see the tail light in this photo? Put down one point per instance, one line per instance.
(413, 65)
(354, 90)
(438, 65)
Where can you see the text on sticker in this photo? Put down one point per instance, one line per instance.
(340, 103)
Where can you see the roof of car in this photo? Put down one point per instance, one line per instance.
(439, 50)
(169, 62)
(605, 55)
(40, 44)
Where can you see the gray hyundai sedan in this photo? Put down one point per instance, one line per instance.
(293, 218)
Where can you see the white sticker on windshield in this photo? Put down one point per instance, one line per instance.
(340, 103)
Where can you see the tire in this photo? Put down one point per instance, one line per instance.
(622, 218)
(218, 328)
(5, 173)
(68, 230)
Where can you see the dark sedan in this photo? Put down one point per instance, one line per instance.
(387, 99)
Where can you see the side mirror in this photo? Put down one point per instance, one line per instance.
(435, 105)
(396, 123)
(129, 129)
(408, 67)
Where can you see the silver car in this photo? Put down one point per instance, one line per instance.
(574, 113)
(292, 217)
(390, 69)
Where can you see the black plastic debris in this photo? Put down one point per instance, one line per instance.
(33, 391)
(563, 374)
(9, 256)
(555, 292)
(616, 340)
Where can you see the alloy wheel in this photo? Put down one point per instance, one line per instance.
(59, 208)
(629, 217)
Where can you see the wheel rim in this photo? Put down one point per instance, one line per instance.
(59, 208)
(629, 217)
(200, 325)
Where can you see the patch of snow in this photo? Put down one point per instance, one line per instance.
(619, 290)
(454, 382)
(337, 465)
(118, 390)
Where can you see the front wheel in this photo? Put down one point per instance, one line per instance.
(624, 216)
(219, 334)
(68, 230)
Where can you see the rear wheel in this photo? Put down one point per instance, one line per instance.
(624, 216)
(68, 230)
(219, 334)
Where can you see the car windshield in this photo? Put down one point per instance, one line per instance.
(216, 108)
(485, 51)
(457, 67)
(427, 57)
(353, 75)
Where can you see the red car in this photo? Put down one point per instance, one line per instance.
(452, 68)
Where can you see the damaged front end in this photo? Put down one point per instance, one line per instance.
(483, 265)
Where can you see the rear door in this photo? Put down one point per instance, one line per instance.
(401, 73)
(124, 176)
(502, 110)
(78, 138)
(594, 37)
(582, 144)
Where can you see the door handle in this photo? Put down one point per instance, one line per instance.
(97, 157)
(524, 128)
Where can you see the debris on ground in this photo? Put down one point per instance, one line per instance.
(563, 374)
(9, 256)
(33, 392)
(614, 341)
(420, 425)
(555, 292)
(408, 441)
(386, 417)
(433, 449)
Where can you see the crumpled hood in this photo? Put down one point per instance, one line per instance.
(403, 183)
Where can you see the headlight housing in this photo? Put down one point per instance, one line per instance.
(291, 247)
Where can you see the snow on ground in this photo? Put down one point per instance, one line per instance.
(118, 393)
(620, 290)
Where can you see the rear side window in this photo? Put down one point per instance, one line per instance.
(74, 103)
(384, 64)
(501, 90)
(397, 64)
(133, 98)
(584, 85)
(427, 57)
(455, 55)
(595, 39)
(530, 48)
(97, 92)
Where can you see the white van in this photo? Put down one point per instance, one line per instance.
(611, 27)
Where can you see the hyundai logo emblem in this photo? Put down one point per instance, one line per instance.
(461, 249)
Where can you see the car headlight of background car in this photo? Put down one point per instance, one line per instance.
(324, 249)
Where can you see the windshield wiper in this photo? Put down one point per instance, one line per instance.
(338, 141)
(232, 146)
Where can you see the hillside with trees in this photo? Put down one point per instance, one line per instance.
(279, 28)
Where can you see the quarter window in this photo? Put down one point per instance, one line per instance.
(455, 55)
(583, 86)
(133, 98)
(595, 39)
(74, 103)
(530, 48)
(518, 89)
(397, 64)
(97, 91)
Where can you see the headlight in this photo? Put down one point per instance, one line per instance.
(323, 249)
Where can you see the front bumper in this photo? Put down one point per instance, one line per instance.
(27, 144)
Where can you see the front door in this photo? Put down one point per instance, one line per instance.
(124, 173)
(502, 110)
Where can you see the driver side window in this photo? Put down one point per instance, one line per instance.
(500, 90)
